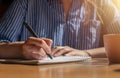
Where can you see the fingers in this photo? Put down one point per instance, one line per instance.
(77, 53)
(67, 51)
(39, 55)
(58, 51)
(36, 48)
(32, 52)
(72, 54)
(40, 43)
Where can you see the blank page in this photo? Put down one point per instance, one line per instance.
(61, 59)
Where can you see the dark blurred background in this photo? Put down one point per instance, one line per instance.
(4, 4)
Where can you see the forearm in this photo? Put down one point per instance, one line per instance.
(11, 50)
(97, 52)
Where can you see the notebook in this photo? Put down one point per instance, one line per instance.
(60, 59)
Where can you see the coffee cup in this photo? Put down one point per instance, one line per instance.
(112, 47)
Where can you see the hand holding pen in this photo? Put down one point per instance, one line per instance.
(36, 48)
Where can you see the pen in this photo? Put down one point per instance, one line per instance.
(35, 35)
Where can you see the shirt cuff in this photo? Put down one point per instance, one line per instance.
(4, 41)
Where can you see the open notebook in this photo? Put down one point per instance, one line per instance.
(61, 59)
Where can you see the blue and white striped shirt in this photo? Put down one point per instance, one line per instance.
(46, 17)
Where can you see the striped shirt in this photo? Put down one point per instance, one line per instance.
(46, 17)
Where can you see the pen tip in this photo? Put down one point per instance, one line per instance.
(49, 56)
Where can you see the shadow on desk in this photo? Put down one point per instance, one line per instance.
(117, 70)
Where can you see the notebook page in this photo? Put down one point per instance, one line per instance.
(61, 59)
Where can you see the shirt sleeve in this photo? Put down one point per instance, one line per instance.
(11, 23)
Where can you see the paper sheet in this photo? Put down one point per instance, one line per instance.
(61, 59)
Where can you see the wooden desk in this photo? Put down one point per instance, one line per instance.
(96, 68)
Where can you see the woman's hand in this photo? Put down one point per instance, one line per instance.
(35, 48)
(67, 51)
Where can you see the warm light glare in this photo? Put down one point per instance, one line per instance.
(117, 3)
